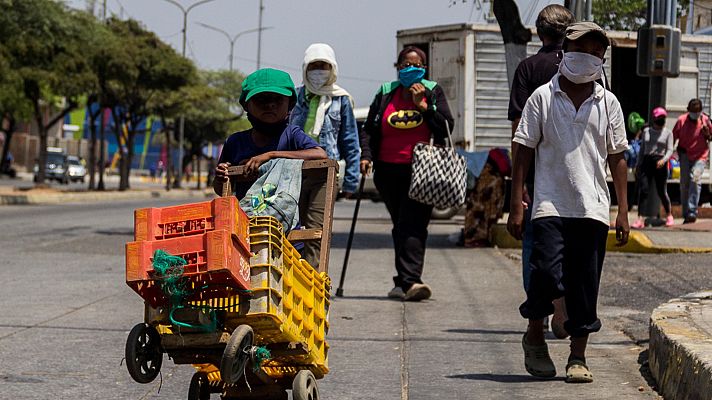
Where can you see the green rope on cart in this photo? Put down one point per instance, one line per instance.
(261, 355)
(170, 271)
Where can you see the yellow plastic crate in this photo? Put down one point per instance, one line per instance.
(289, 302)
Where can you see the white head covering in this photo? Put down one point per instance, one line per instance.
(322, 52)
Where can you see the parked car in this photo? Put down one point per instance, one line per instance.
(56, 166)
(76, 169)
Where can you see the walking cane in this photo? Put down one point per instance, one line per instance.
(340, 289)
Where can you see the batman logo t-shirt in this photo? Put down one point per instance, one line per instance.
(402, 127)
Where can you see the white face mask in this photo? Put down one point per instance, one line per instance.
(694, 115)
(318, 77)
(581, 67)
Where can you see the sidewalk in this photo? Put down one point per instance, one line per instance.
(465, 343)
(687, 238)
(681, 347)
(22, 192)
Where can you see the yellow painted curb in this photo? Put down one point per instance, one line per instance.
(638, 242)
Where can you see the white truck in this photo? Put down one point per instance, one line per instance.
(467, 60)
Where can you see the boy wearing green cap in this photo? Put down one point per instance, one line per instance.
(267, 96)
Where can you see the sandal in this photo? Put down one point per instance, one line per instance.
(537, 360)
(577, 372)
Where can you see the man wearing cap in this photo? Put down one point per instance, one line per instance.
(571, 127)
(267, 96)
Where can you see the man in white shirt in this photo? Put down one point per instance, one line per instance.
(571, 127)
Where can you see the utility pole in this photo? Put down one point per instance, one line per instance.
(102, 125)
(660, 12)
(233, 39)
(259, 36)
(181, 126)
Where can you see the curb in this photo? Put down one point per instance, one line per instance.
(638, 242)
(680, 350)
(67, 197)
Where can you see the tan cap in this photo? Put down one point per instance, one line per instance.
(577, 30)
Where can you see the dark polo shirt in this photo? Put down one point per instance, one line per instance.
(531, 73)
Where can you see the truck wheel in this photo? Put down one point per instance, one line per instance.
(445, 213)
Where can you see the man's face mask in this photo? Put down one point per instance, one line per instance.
(581, 67)
(694, 115)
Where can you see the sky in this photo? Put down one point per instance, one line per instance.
(362, 32)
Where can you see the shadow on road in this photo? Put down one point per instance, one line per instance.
(503, 378)
(369, 241)
(484, 331)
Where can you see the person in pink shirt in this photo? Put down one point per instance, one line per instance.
(692, 132)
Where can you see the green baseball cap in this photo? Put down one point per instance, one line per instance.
(267, 80)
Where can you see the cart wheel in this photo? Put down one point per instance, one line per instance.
(143, 353)
(304, 386)
(199, 387)
(236, 354)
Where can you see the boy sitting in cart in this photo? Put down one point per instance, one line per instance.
(267, 96)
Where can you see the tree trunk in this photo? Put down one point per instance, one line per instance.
(126, 184)
(42, 156)
(197, 168)
(119, 149)
(4, 165)
(92, 148)
(168, 165)
(514, 34)
(102, 134)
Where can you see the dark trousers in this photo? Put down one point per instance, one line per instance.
(410, 221)
(567, 261)
(648, 175)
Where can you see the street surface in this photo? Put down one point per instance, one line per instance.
(67, 312)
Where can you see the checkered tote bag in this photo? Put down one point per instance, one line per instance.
(439, 175)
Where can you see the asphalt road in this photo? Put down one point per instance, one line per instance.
(67, 312)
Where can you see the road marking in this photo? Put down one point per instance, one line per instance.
(59, 316)
(404, 350)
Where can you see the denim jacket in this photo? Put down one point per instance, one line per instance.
(338, 136)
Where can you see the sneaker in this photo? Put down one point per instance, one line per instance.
(690, 220)
(396, 293)
(537, 360)
(417, 292)
(669, 221)
(638, 224)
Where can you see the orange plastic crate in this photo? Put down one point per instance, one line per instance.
(192, 219)
(212, 258)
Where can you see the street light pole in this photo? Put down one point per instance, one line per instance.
(181, 126)
(259, 36)
(233, 39)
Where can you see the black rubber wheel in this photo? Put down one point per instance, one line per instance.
(445, 213)
(304, 386)
(143, 353)
(199, 387)
(236, 354)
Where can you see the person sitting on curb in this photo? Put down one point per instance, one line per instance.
(267, 96)
(575, 126)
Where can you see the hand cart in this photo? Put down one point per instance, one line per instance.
(223, 329)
